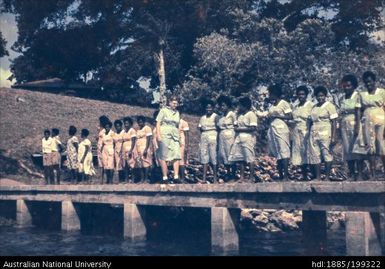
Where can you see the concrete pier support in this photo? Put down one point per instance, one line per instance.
(314, 232)
(70, 220)
(134, 226)
(224, 234)
(363, 234)
(23, 215)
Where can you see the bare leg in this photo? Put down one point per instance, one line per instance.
(242, 171)
(280, 169)
(328, 168)
(146, 172)
(176, 169)
(316, 171)
(163, 166)
(304, 171)
(215, 173)
(205, 166)
(360, 168)
(372, 165)
(47, 175)
(285, 169)
(252, 172)
(182, 170)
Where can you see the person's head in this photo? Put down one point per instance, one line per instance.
(72, 130)
(107, 126)
(208, 105)
(349, 83)
(369, 79)
(141, 121)
(47, 133)
(118, 125)
(103, 120)
(302, 92)
(55, 131)
(173, 102)
(127, 123)
(224, 103)
(244, 104)
(84, 133)
(275, 93)
(320, 92)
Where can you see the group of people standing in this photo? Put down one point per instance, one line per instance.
(303, 133)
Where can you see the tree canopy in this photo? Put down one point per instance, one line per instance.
(210, 46)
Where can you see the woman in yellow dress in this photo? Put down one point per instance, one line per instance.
(102, 121)
(85, 165)
(372, 104)
(129, 152)
(143, 148)
(118, 146)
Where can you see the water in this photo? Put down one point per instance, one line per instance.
(38, 241)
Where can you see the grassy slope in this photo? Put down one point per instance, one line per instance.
(23, 122)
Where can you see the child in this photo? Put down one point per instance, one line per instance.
(57, 148)
(86, 167)
(46, 143)
(143, 142)
(72, 153)
(184, 146)
(129, 141)
(118, 145)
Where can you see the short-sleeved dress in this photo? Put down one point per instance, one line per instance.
(226, 136)
(244, 143)
(183, 127)
(373, 124)
(321, 133)
(141, 142)
(208, 141)
(348, 123)
(169, 146)
(87, 166)
(108, 152)
(56, 155)
(119, 157)
(300, 133)
(46, 146)
(127, 143)
(278, 134)
(99, 145)
(72, 153)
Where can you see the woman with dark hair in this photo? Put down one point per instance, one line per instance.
(57, 148)
(372, 102)
(243, 151)
(300, 133)
(72, 153)
(208, 142)
(184, 133)
(128, 149)
(102, 121)
(322, 133)
(167, 123)
(350, 124)
(118, 146)
(278, 134)
(107, 150)
(46, 144)
(143, 148)
(86, 167)
(226, 134)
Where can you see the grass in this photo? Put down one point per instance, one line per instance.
(25, 114)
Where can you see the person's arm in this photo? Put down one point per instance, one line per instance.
(133, 143)
(334, 132)
(148, 142)
(187, 143)
(357, 119)
(87, 148)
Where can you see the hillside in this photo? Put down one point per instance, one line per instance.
(25, 114)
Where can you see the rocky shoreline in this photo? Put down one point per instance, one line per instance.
(283, 220)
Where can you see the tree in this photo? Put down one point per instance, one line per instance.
(3, 43)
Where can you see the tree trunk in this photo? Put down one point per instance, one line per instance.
(162, 79)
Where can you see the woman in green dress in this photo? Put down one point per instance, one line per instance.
(300, 133)
(226, 134)
(372, 103)
(167, 132)
(242, 150)
(278, 135)
(350, 124)
(322, 133)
